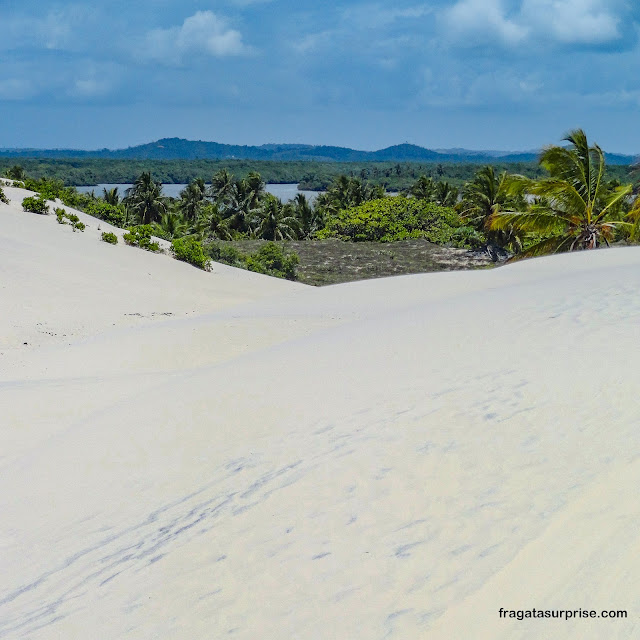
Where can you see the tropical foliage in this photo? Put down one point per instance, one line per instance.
(15, 172)
(569, 201)
(35, 204)
(190, 250)
(575, 207)
(274, 221)
(270, 259)
(141, 236)
(145, 200)
(398, 218)
(488, 194)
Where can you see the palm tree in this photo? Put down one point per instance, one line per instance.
(275, 222)
(241, 206)
(575, 207)
(309, 217)
(111, 196)
(347, 192)
(16, 172)
(145, 199)
(221, 186)
(215, 223)
(485, 196)
(256, 185)
(192, 198)
(423, 188)
(171, 225)
(444, 194)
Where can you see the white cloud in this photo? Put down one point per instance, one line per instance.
(482, 22)
(578, 22)
(573, 21)
(202, 33)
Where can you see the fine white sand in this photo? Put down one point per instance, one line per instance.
(396, 458)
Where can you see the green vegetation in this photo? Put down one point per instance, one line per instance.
(399, 218)
(486, 195)
(35, 204)
(575, 207)
(190, 250)
(109, 238)
(569, 200)
(140, 236)
(3, 197)
(69, 218)
(145, 199)
(269, 258)
(15, 172)
(312, 175)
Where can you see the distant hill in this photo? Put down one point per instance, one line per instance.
(180, 149)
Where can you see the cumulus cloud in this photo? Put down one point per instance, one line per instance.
(203, 33)
(482, 22)
(573, 21)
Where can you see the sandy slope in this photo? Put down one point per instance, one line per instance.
(395, 458)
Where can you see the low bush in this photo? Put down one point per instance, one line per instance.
(35, 205)
(69, 218)
(3, 197)
(227, 255)
(271, 259)
(109, 238)
(190, 250)
(140, 236)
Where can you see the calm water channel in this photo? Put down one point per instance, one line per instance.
(283, 191)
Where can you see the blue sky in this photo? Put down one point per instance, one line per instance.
(491, 74)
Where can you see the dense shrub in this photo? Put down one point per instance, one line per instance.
(190, 250)
(3, 198)
(140, 236)
(35, 205)
(227, 255)
(271, 259)
(48, 188)
(110, 238)
(397, 218)
(112, 214)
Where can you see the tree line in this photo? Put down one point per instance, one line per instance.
(571, 203)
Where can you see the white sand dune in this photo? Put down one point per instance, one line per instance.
(393, 458)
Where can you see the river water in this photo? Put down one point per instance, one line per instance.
(285, 192)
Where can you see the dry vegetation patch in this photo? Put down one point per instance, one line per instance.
(325, 262)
